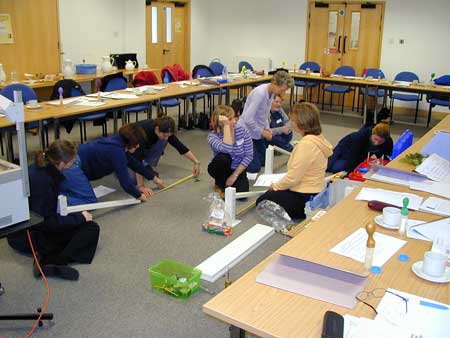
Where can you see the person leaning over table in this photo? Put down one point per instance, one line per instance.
(353, 148)
(58, 240)
(255, 116)
(158, 133)
(105, 156)
(232, 148)
(280, 126)
(306, 166)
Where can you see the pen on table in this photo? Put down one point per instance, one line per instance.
(433, 305)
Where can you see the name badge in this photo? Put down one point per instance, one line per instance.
(240, 142)
(279, 120)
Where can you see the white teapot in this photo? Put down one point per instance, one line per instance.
(107, 64)
(130, 65)
(68, 69)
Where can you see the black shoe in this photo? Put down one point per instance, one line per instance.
(54, 270)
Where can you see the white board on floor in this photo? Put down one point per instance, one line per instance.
(218, 264)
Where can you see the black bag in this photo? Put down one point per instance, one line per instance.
(189, 124)
(203, 121)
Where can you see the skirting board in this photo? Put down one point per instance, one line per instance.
(218, 264)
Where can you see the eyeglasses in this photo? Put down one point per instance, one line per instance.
(363, 296)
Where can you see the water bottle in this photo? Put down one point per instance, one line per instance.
(224, 73)
(166, 77)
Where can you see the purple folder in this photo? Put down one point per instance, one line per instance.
(313, 280)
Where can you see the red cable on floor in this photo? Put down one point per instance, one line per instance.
(47, 298)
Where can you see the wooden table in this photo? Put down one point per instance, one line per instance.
(388, 86)
(269, 312)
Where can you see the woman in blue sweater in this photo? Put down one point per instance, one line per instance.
(58, 240)
(103, 157)
(233, 151)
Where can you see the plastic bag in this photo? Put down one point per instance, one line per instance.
(274, 215)
(219, 220)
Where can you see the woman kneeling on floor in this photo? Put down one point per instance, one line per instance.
(306, 166)
(58, 240)
(233, 151)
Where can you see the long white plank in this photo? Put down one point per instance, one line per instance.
(218, 264)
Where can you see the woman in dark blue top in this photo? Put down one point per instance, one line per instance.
(58, 240)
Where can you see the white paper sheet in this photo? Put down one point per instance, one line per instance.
(437, 188)
(252, 176)
(435, 168)
(266, 180)
(101, 191)
(437, 206)
(431, 230)
(419, 321)
(412, 233)
(389, 196)
(354, 246)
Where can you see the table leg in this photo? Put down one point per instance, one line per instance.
(236, 332)
(227, 96)
(9, 146)
(56, 126)
(305, 93)
(115, 121)
(41, 134)
(366, 98)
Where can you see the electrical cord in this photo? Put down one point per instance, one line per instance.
(47, 298)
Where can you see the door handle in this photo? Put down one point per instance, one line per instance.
(345, 40)
(166, 51)
(339, 44)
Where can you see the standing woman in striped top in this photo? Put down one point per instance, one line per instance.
(233, 151)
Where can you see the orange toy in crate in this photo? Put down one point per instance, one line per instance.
(358, 173)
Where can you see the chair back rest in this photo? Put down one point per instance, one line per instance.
(145, 78)
(313, 66)
(246, 64)
(27, 92)
(69, 87)
(116, 84)
(345, 71)
(202, 71)
(406, 76)
(375, 72)
(216, 67)
(443, 80)
(404, 142)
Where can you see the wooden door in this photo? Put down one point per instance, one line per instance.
(325, 34)
(35, 47)
(362, 38)
(167, 34)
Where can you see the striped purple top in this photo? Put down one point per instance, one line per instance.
(241, 151)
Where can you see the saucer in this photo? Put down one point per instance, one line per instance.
(379, 221)
(417, 269)
(34, 107)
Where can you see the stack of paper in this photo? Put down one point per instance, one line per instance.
(435, 168)
(437, 206)
(266, 180)
(438, 145)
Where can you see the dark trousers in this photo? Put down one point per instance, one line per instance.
(259, 156)
(74, 245)
(282, 141)
(220, 170)
(291, 201)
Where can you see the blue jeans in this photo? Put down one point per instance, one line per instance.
(153, 154)
(259, 156)
(282, 141)
(76, 186)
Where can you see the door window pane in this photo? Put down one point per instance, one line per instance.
(168, 24)
(354, 34)
(332, 27)
(154, 24)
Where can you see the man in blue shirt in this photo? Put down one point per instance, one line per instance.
(255, 116)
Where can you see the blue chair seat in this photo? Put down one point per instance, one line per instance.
(92, 117)
(170, 103)
(301, 83)
(440, 102)
(406, 97)
(136, 109)
(196, 96)
(372, 92)
(218, 92)
(337, 89)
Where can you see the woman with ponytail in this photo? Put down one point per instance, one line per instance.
(354, 148)
(59, 240)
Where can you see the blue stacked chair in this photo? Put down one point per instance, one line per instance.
(438, 100)
(335, 89)
(373, 73)
(314, 67)
(407, 77)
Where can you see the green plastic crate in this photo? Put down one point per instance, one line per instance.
(165, 277)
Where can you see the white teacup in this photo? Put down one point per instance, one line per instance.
(32, 103)
(434, 263)
(391, 216)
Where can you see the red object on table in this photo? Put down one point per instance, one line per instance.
(358, 173)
